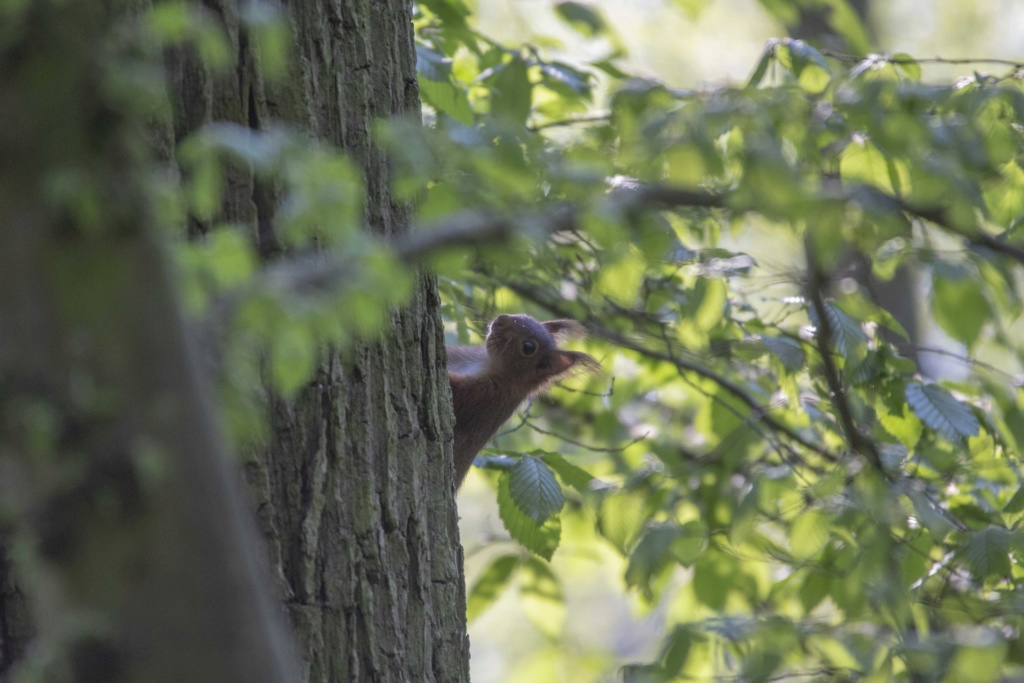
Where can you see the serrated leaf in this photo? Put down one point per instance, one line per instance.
(847, 335)
(535, 490)
(572, 475)
(987, 552)
(867, 370)
(1016, 503)
(808, 534)
(489, 586)
(788, 350)
(541, 539)
(541, 596)
(937, 408)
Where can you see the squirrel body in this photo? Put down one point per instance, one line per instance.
(519, 359)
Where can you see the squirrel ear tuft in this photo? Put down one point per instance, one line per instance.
(564, 329)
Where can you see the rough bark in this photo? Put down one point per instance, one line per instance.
(138, 555)
(354, 492)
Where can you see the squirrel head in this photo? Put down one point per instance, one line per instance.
(525, 352)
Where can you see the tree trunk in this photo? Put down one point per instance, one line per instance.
(134, 546)
(355, 490)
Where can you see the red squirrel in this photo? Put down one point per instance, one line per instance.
(519, 359)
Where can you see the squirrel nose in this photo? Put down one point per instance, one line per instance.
(501, 321)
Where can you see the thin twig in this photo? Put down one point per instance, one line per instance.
(892, 59)
(596, 449)
(824, 338)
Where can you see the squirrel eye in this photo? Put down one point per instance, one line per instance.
(529, 347)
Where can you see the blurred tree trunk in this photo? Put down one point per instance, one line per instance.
(132, 542)
(355, 490)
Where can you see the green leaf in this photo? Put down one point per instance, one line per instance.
(814, 588)
(651, 556)
(583, 18)
(541, 596)
(572, 475)
(511, 92)
(621, 517)
(270, 31)
(448, 99)
(535, 490)
(938, 409)
(491, 583)
(807, 64)
(808, 534)
(230, 257)
(908, 65)
(906, 426)
(293, 354)
(766, 60)
(788, 350)
(959, 305)
(1016, 503)
(987, 552)
(558, 76)
(847, 336)
(929, 515)
(677, 646)
(541, 539)
(745, 516)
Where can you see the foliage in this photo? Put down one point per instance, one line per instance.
(775, 471)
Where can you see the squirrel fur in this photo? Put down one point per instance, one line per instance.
(519, 359)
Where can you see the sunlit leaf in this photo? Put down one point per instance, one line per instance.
(808, 534)
(621, 517)
(511, 92)
(572, 475)
(960, 307)
(542, 539)
(490, 585)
